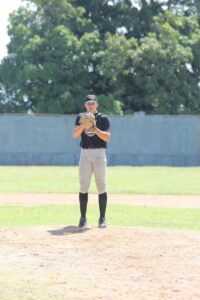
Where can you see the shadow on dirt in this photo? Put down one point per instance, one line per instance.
(68, 230)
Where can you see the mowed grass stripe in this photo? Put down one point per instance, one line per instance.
(117, 215)
(120, 180)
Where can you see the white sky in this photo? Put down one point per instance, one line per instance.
(7, 7)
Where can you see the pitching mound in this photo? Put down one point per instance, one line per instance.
(57, 263)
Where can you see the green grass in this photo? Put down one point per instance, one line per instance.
(120, 180)
(117, 215)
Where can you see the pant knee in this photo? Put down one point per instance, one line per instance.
(84, 186)
(84, 189)
(101, 187)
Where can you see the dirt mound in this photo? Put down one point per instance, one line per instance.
(62, 262)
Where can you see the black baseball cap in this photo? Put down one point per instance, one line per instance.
(91, 98)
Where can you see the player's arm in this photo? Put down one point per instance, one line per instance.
(77, 131)
(104, 135)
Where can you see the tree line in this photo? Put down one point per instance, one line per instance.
(134, 55)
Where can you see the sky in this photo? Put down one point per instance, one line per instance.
(7, 7)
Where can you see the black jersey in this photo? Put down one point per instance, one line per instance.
(89, 140)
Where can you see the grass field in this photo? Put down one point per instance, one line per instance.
(118, 215)
(44, 255)
(121, 180)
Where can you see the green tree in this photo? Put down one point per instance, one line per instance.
(184, 7)
(113, 16)
(165, 79)
(134, 58)
(47, 66)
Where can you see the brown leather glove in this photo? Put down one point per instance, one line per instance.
(88, 121)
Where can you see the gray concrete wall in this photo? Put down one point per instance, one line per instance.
(136, 140)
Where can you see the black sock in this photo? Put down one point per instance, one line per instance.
(83, 200)
(102, 204)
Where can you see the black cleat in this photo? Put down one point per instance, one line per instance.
(102, 223)
(82, 223)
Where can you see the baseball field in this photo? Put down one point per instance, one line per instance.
(150, 249)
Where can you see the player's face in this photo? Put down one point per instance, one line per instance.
(91, 106)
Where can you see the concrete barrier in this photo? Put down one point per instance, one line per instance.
(135, 140)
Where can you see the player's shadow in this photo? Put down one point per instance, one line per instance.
(68, 230)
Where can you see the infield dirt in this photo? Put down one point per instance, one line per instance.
(63, 262)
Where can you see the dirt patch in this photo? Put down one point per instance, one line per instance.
(185, 201)
(61, 263)
(57, 262)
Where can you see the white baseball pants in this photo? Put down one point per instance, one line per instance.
(92, 161)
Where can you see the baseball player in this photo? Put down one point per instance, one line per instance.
(93, 127)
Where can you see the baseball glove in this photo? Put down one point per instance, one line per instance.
(88, 121)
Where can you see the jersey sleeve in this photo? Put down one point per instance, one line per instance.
(106, 123)
(77, 121)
